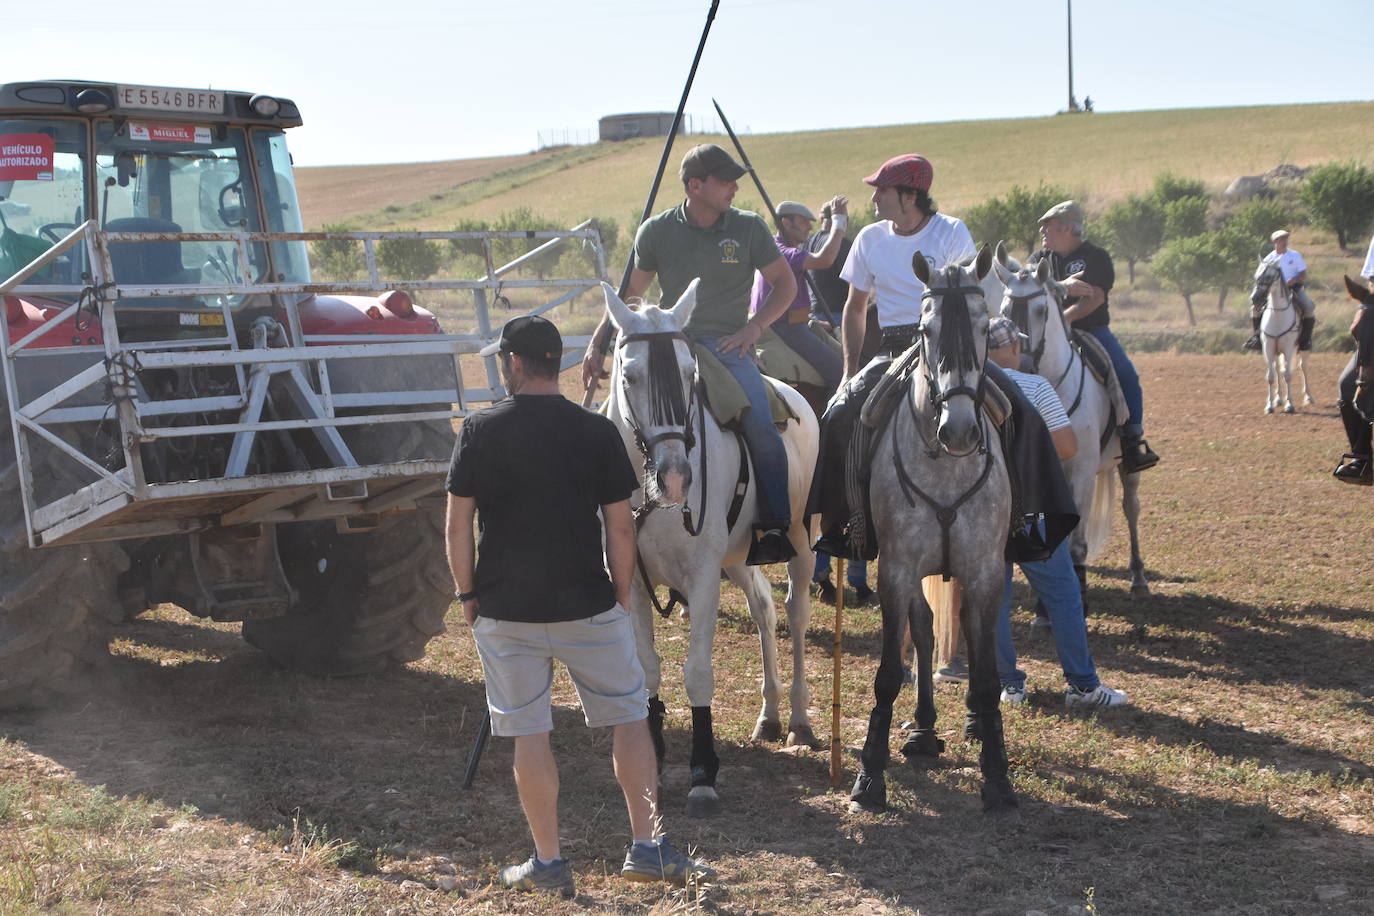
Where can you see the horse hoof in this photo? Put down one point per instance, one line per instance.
(703, 801)
(803, 736)
(923, 749)
(869, 794)
(767, 730)
(1269, 408)
(1289, 409)
(1000, 802)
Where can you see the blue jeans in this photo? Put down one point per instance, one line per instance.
(1057, 585)
(1130, 379)
(766, 450)
(815, 351)
(856, 573)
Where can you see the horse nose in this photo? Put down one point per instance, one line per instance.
(673, 481)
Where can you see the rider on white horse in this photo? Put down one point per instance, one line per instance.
(1294, 270)
(1086, 271)
(705, 237)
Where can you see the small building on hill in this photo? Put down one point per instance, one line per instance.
(639, 124)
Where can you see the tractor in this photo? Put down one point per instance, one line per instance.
(187, 418)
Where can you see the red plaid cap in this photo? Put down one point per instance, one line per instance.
(910, 170)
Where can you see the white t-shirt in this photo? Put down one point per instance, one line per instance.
(1290, 263)
(1041, 393)
(1368, 270)
(880, 263)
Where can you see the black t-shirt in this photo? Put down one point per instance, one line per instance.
(1363, 333)
(540, 467)
(1097, 269)
(828, 281)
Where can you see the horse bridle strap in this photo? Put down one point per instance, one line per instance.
(654, 335)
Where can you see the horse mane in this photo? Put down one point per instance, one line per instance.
(958, 352)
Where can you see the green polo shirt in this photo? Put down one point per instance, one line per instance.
(724, 255)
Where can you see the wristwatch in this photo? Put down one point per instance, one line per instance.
(465, 596)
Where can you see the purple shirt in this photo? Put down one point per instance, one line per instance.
(796, 259)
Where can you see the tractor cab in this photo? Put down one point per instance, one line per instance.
(150, 160)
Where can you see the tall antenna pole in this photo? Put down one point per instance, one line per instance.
(1073, 103)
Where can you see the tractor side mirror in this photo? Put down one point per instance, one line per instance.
(126, 168)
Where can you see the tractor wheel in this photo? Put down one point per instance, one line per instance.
(54, 602)
(370, 601)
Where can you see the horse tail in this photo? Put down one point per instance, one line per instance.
(944, 598)
(1099, 521)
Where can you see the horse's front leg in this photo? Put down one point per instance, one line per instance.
(759, 596)
(1288, 380)
(982, 600)
(1270, 378)
(799, 570)
(703, 597)
(1302, 375)
(1130, 507)
(870, 788)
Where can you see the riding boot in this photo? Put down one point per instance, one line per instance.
(1136, 454)
(1305, 333)
(1254, 342)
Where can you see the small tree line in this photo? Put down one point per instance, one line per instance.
(1192, 242)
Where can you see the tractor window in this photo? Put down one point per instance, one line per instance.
(42, 176)
(177, 178)
(279, 201)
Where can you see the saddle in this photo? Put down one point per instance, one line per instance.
(777, 360)
(1095, 357)
(724, 396)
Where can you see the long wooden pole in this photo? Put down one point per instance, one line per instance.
(835, 775)
(658, 179)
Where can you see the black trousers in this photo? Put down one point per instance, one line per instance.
(1357, 429)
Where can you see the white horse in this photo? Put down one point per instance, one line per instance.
(1279, 326)
(692, 465)
(1034, 300)
(941, 502)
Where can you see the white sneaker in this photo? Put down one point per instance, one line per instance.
(1014, 695)
(1101, 695)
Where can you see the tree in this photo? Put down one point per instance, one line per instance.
(339, 260)
(1256, 219)
(1169, 187)
(1134, 229)
(988, 222)
(1340, 197)
(407, 259)
(1231, 257)
(1185, 217)
(1187, 265)
(1015, 218)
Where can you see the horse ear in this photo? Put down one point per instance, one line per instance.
(621, 314)
(686, 304)
(1358, 291)
(1001, 265)
(1042, 270)
(921, 268)
(984, 262)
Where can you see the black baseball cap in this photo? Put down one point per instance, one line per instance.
(528, 335)
(709, 159)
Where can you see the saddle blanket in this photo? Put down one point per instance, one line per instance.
(1100, 365)
(780, 361)
(724, 396)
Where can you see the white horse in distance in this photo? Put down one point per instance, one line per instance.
(1279, 326)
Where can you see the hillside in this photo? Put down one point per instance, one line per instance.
(1099, 157)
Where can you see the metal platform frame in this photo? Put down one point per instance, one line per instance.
(124, 504)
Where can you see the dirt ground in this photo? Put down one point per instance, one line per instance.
(1241, 780)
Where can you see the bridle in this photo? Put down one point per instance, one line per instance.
(964, 360)
(1264, 283)
(684, 422)
(1020, 315)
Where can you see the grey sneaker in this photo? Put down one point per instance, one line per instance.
(956, 671)
(1101, 695)
(1014, 696)
(554, 878)
(664, 862)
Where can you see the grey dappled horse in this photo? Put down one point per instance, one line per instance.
(691, 469)
(941, 504)
(1034, 300)
(1279, 327)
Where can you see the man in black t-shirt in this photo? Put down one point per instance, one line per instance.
(533, 471)
(1086, 270)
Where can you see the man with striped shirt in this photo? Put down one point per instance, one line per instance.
(1053, 579)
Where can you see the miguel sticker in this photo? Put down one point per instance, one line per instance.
(169, 133)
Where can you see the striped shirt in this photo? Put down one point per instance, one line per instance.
(1042, 394)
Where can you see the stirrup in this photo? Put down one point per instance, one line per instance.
(1252, 344)
(1136, 455)
(1356, 469)
(770, 545)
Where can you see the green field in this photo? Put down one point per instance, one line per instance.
(1100, 158)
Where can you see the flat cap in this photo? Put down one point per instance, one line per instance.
(792, 208)
(1065, 210)
(908, 171)
(708, 159)
(1002, 331)
(1278, 234)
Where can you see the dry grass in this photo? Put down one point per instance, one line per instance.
(1100, 158)
(1241, 781)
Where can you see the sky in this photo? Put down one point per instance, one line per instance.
(424, 80)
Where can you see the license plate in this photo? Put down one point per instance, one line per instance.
(158, 98)
(202, 319)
